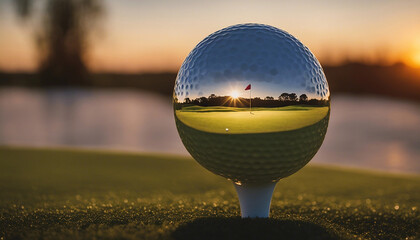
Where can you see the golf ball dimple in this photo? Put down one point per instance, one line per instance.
(265, 83)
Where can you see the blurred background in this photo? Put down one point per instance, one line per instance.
(100, 74)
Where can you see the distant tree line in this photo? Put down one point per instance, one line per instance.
(285, 99)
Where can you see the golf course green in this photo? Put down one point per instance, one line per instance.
(240, 120)
(83, 194)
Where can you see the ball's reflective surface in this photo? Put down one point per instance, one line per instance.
(251, 103)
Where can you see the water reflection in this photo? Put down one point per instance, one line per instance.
(373, 133)
(118, 119)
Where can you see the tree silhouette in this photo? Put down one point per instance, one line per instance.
(293, 97)
(203, 100)
(268, 98)
(284, 97)
(63, 39)
(303, 98)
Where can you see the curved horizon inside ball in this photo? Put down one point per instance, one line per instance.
(251, 103)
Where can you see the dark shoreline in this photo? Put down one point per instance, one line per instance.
(395, 81)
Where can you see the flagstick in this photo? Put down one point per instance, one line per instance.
(250, 101)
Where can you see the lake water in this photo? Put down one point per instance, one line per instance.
(364, 132)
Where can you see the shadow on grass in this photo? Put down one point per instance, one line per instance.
(237, 228)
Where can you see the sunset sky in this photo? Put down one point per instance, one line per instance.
(144, 36)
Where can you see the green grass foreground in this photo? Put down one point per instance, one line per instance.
(76, 194)
(239, 120)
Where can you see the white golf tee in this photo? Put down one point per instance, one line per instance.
(255, 199)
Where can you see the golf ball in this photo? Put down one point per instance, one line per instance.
(251, 103)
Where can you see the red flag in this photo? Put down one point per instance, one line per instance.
(248, 87)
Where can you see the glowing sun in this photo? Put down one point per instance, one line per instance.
(415, 59)
(413, 56)
(234, 94)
